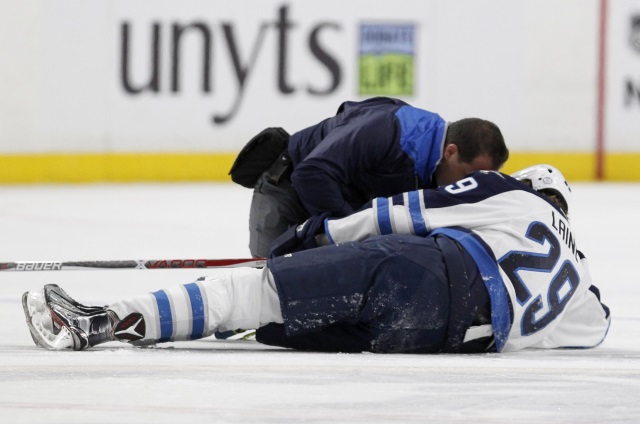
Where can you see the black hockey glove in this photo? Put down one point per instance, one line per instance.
(299, 238)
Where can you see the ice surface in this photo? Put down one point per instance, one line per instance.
(220, 381)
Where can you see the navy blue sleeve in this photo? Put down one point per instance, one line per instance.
(355, 146)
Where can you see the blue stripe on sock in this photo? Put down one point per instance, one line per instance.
(197, 310)
(384, 221)
(166, 320)
(417, 219)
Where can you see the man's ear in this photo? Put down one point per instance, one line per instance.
(449, 150)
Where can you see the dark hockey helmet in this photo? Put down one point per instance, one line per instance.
(548, 180)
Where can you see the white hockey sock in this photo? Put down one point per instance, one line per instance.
(229, 299)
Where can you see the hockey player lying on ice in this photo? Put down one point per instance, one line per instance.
(489, 263)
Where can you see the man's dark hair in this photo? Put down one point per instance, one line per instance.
(474, 137)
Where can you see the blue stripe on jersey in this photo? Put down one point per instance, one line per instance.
(166, 320)
(326, 231)
(419, 226)
(197, 310)
(384, 220)
(501, 311)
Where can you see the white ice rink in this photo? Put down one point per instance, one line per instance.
(238, 382)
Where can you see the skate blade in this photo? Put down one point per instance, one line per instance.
(37, 314)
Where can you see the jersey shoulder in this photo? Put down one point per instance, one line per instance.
(481, 185)
(498, 182)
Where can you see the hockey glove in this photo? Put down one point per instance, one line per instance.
(299, 238)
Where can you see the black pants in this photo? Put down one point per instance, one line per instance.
(274, 208)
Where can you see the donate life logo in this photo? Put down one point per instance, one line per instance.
(387, 59)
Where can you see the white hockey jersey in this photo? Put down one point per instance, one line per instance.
(539, 283)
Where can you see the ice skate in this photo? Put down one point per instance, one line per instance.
(56, 321)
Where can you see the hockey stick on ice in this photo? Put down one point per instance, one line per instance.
(131, 264)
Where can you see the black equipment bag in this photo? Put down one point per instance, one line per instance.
(258, 155)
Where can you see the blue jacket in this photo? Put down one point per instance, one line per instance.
(375, 148)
